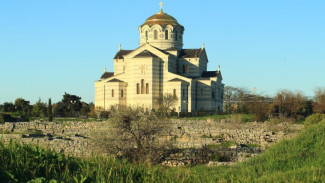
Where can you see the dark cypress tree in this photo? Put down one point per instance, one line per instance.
(50, 111)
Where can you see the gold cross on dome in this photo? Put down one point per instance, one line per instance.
(161, 5)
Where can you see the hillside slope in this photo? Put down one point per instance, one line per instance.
(301, 159)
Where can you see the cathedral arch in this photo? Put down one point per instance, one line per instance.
(138, 88)
(142, 86)
(155, 34)
(147, 88)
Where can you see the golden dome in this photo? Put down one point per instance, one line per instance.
(161, 18)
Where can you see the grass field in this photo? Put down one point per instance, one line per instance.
(301, 159)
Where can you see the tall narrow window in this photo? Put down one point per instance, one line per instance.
(112, 92)
(187, 69)
(155, 34)
(183, 69)
(174, 92)
(183, 93)
(166, 34)
(212, 94)
(122, 93)
(176, 35)
(146, 35)
(147, 88)
(138, 88)
(142, 86)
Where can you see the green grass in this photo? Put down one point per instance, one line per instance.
(225, 144)
(64, 119)
(301, 159)
(232, 117)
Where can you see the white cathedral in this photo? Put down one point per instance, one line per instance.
(159, 66)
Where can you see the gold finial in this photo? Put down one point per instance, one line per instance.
(255, 89)
(161, 5)
(218, 68)
(202, 45)
(104, 69)
(120, 47)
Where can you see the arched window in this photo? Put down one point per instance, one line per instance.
(155, 34)
(166, 34)
(138, 88)
(122, 93)
(176, 36)
(112, 92)
(183, 69)
(146, 35)
(187, 68)
(142, 86)
(174, 92)
(147, 88)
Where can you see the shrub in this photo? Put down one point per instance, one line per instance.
(134, 135)
(6, 118)
(314, 119)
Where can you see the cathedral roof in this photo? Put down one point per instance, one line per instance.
(176, 80)
(185, 53)
(161, 18)
(146, 53)
(191, 53)
(208, 74)
(107, 75)
(115, 80)
(120, 54)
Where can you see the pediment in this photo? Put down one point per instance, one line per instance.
(145, 53)
(146, 50)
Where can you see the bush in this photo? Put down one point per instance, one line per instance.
(135, 133)
(314, 119)
(6, 118)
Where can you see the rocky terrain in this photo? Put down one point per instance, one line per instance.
(233, 141)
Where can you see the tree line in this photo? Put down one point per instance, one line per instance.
(22, 110)
(293, 105)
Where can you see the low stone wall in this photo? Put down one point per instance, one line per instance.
(77, 138)
(197, 133)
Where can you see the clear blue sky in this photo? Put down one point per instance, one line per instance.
(56, 46)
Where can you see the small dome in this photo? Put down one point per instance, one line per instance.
(161, 18)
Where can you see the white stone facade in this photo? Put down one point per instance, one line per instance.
(158, 66)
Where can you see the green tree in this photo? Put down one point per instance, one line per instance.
(23, 108)
(85, 109)
(39, 109)
(59, 110)
(71, 104)
(8, 107)
(49, 110)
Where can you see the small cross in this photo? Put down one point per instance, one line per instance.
(161, 5)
